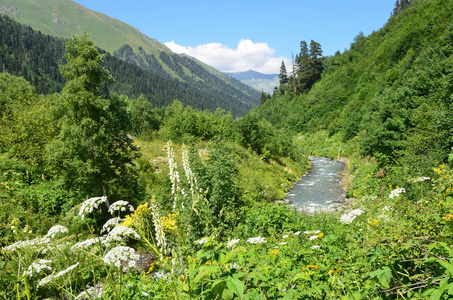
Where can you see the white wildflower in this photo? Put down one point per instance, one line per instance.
(422, 178)
(160, 235)
(120, 205)
(52, 277)
(312, 232)
(384, 218)
(113, 222)
(27, 244)
(387, 208)
(285, 236)
(313, 237)
(174, 174)
(347, 218)
(160, 275)
(188, 171)
(282, 243)
(36, 267)
(120, 233)
(88, 243)
(55, 230)
(257, 240)
(202, 241)
(315, 247)
(232, 242)
(90, 204)
(297, 233)
(396, 193)
(119, 254)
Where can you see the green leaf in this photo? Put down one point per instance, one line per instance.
(236, 286)
(200, 276)
(383, 275)
(447, 266)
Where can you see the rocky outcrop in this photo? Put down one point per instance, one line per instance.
(6, 9)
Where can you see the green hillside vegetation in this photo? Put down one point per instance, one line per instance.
(63, 18)
(201, 187)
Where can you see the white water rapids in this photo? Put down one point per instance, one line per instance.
(320, 187)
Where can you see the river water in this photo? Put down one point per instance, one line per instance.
(320, 187)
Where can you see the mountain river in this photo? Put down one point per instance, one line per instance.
(320, 187)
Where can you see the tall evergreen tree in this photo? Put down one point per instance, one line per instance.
(303, 68)
(97, 152)
(316, 66)
(283, 77)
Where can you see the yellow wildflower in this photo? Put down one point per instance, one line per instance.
(274, 252)
(320, 235)
(128, 222)
(169, 222)
(448, 217)
(313, 267)
(303, 268)
(331, 271)
(152, 267)
(374, 222)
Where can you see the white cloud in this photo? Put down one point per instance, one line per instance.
(247, 56)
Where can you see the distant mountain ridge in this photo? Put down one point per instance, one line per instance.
(257, 80)
(61, 18)
(251, 74)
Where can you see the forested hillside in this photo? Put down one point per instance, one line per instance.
(388, 90)
(63, 18)
(36, 57)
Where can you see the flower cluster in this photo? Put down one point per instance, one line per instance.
(37, 266)
(274, 252)
(174, 174)
(422, 178)
(113, 222)
(396, 193)
(27, 244)
(314, 237)
(188, 171)
(448, 217)
(90, 204)
(52, 277)
(160, 235)
(119, 254)
(120, 205)
(133, 220)
(119, 233)
(312, 232)
(56, 230)
(169, 222)
(315, 247)
(88, 243)
(257, 240)
(348, 218)
(232, 242)
(202, 241)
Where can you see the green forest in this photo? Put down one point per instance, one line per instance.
(112, 195)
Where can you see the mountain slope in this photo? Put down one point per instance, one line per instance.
(259, 81)
(63, 17)
(391, 91)
(37, 57)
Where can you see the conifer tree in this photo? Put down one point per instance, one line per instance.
(96, 150)
(316, 66)
(283, 75)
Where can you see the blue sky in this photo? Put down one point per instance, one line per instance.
(237, 35)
